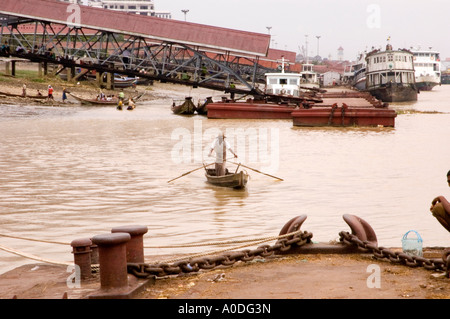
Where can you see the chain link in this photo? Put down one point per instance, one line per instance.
(397, 257)
(190, 265)
(144, 270)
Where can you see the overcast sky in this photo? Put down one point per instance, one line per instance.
(356, 25)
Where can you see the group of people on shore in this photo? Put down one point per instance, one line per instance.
(50, 92)
(100, 97)
(120, 105)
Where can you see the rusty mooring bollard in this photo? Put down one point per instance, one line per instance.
(135, 247)
(113, 259)
(94, 254)
(81, 249)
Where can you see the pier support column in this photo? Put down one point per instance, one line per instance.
(7, 68)
(42, 69)
(13, 68)
(135, 247)
(70, 74)
(98, 79)
(110, 81)
(113, 259)
(82, 256)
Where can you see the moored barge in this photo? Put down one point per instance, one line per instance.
(344, 116)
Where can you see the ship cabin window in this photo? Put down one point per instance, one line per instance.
(283, 81)
(273, 81)
(293, 81)
(390, 57)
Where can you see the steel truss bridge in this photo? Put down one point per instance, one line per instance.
(44, 40)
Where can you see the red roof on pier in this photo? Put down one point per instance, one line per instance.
(158, 29)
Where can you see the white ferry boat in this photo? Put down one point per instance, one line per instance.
(355, 74)
(309, 78)
(390, 75)
(427, 66)
(282, 83)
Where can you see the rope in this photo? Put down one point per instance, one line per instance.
(252, 242)
(223, 243)
(30, 256)
(38, 240)
(232, 248)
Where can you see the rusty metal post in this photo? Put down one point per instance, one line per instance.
(82, 256)
(135, 247)
(113, 259)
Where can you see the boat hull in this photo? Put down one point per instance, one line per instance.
(248, 111)
(360, 84)
(230, 180)
(394, 93)
(426, 85)
(340, 116)
(94, 101)
(186, 108)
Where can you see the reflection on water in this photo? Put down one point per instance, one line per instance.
(76, 172)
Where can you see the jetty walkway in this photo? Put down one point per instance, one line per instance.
(110, 42)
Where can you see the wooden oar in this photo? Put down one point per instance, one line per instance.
(204, 166)
(257, 171)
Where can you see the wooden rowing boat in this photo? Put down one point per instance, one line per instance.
(22, 96)
(124, 82)
(233, 180)
(202, 107)
(186, 107)
(108, 101)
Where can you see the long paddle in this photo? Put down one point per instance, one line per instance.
(257, 171)
(204, 166)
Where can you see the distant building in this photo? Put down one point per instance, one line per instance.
(141, 7)
(340, 54)
(331, 78)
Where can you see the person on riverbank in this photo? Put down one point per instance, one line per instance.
(121, 96)
(220, 146)
(64, 95)
(131, 104)
(50, 93)
(440, 208)
(120, 105)
(24, 90)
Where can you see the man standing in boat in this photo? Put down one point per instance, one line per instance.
(220, 146)
(440, 207)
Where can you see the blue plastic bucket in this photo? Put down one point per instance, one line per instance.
(412, 246)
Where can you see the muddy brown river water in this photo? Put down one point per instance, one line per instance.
(71, 172)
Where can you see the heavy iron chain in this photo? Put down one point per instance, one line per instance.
(398, 257)
(144, 270)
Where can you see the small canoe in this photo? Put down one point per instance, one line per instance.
(202, 107)
(186, 107)
(233, 180)
(124, 82)
(112, 101)
(27, 96)
(108, 101)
